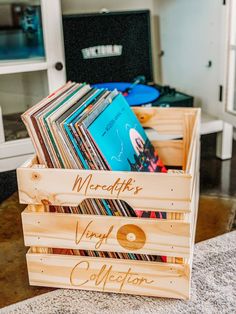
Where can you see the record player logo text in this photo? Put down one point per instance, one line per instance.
(102, 51)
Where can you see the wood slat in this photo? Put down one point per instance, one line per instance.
(194, 223)
(170, 152)
(188, 124)
(195, 164)
(109, 275)
(37, 209)
(30, 162)
(69, 187)
(102, 233)
(163, 120)
(194, 139)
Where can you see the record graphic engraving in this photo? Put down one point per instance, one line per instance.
(131, 237)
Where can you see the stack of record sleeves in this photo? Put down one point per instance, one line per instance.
(83, 127)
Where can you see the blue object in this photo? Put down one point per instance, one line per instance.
(118, 124)
(139, 95)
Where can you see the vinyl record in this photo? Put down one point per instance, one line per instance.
(139, 95)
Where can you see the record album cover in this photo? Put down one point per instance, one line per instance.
(122, 140)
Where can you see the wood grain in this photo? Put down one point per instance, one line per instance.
(102, 233)
(148, 191)
(170, 152)
(164, 120)
(194, 138)
(109, 275)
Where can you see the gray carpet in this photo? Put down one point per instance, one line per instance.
(213, 290)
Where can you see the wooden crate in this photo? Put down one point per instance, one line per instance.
(176, 193)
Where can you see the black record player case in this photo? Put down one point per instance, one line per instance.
(108, 47)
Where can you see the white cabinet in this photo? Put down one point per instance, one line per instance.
(23, 82)
(198, 43)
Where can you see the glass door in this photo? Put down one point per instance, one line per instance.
(31, 67)
(18, 92)
(21, 31)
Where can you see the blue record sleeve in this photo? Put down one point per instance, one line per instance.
(121, 139)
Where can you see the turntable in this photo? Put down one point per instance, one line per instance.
(139, 94)
(114, 51)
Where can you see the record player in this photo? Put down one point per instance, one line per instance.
(113, 50)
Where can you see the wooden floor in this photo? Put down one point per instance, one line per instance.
(216, 214)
